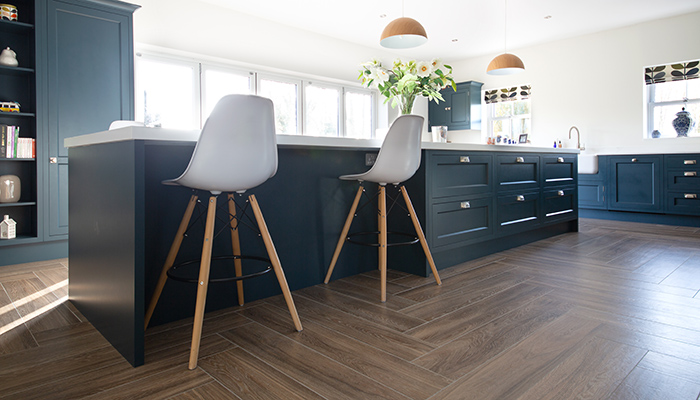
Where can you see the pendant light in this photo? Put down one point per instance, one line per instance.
(403, 33)
(505, 64)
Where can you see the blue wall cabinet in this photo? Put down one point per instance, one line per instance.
(461, 108)
(89, 53)
(75, 76)
(635, 183)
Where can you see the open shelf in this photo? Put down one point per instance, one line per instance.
(19, 204)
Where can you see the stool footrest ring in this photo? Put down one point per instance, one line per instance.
(413, 239)
(172, 275)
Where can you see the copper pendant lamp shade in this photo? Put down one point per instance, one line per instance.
(505, 64)
(403, 33)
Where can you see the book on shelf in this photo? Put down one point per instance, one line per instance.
(14, 146)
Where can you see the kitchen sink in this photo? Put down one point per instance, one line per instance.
(587, 164)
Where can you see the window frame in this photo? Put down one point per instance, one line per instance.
(256, 76)
(197, 89)
(491, 117)
(650, 93)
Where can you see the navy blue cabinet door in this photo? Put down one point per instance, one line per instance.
(90, 84)
(635, 183)
(460, 110)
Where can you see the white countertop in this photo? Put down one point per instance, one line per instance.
(164, 134)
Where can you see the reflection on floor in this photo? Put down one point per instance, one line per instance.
(612, 311)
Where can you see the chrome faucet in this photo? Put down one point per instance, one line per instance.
(578, 138)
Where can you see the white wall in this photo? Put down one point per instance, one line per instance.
(596, 83)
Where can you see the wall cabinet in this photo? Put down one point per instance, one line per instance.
(75, 76)
(461, 108)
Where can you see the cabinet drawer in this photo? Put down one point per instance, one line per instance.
(683, 179)
(517, 212)
(461, 221)
(460, 174)
(683, 161)
(559, 204)
(683, 202)
(559, 170)
(517, 172)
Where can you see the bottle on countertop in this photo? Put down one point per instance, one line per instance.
(555, 144)
(559, 146)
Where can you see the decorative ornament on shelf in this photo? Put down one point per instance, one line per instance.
(8, 228)
(8, 58)
(407, 80)
(8, 12)
(10, 188)
(683, 123)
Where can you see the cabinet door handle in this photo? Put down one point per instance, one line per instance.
(519, 159)
(448, 108)
(560, 193)
(690, 162)
(464, 159)
(53, 160)
(690, 173)
(634, 160)
(560, 159)
(465, 204)
(520, 197)
(690, 196)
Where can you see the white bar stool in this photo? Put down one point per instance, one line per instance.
(236, 151)
(398, 160)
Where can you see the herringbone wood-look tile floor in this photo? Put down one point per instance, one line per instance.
(610, 312)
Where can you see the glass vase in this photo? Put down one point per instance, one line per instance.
(405, 103)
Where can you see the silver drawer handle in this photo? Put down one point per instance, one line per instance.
(690, 173)
(690, 162)
(448, 108)
(464, 159)
(690, 196)
(634, 160)
(53, 160)
(560, 159)
(465, 204)
(519, 159)
(560, 193)
(520, 197)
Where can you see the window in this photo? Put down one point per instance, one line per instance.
(167, 93)
(217, 82)
(181, 94)
(508, 113)
(284, 94)
(669, 89)
(358, 114)
(322, 117)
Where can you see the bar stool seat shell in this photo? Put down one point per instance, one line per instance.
(399, 156)
(237, 149)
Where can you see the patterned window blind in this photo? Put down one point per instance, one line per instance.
(672, 72)
(507, 94)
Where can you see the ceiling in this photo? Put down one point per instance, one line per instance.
(459, 29)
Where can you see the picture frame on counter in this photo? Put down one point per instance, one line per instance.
(523, 138)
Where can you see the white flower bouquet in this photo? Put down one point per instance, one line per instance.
(406, 80)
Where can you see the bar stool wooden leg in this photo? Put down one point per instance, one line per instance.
(274, 259)
(344, 233)
(203, 282)
(236, 247)
(421, 236)
(174, 248)
(382, 240)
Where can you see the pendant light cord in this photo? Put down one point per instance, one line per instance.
(505, 26)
